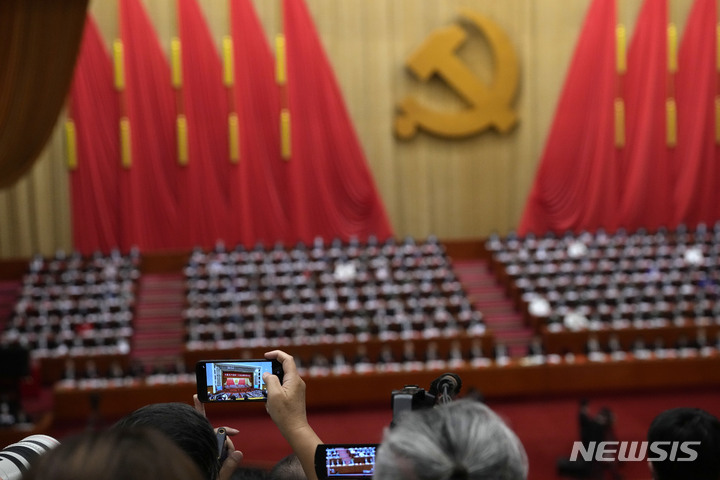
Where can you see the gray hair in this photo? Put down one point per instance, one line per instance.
(462, 440)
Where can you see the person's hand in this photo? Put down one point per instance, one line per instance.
(286, 406)
(286, 401)
(234, 457)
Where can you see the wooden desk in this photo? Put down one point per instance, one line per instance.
(580, 377)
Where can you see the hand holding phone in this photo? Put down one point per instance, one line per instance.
(345, 461)
(234, 380)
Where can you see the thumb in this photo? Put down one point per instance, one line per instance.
(231, 463)
(272, 382)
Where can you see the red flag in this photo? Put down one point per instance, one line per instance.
(645, 162)
(574, 186)
(697, 173)
(95, 195)
(208, 174)
(333, 191)
(152, 217)
(262, 200)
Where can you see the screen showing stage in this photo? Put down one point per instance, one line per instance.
(237, 380)
(356, 461)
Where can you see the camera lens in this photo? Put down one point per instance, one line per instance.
(15, 459)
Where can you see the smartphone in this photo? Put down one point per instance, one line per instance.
(349, 460)
(234, 380)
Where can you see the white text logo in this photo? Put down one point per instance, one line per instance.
(634, 451)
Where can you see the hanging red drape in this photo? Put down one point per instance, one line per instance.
(576, 186)
(95, 195)
(696, 195)
(334, 194)
(151, 192)
(646, 161)
(208, 174)
(262, 197)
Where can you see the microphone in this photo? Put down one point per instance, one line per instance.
(15, 459)
(445, 387)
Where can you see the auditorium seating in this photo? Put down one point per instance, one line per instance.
(71, 306)
(334, 294)
(655, 286)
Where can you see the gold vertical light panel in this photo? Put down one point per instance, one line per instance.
(229, 82)
(181, 120)
(281, 79)
(71, 143)
(620, 69)
(125, 142)
(125, 132)
(670, 107)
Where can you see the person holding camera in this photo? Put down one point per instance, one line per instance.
(459, 440)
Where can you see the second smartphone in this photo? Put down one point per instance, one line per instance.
(234, 380)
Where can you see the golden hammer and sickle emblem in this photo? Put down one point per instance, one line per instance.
(489, 104)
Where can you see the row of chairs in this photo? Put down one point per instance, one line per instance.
(326, 294)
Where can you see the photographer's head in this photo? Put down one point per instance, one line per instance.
(687, 425)
(118, 454)
(462, 440)
(189, 429)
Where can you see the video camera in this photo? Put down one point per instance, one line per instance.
(411, 397)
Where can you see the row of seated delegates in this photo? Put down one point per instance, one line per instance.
(409, 360)
(454, 300)
(600, 238)
(640, 348)
(116, 376)
(336, 282)
(219, 261)
(323, 330)
(641, 315)
(75, 305)
(81, 283)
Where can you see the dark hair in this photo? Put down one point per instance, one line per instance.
(184, 425)
(688, 425)
(118, 454)
(289, 468)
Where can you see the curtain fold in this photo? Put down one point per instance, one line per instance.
(333, 191)
(576, 185)
(39, 43)
(696, 195)
(150, 188)
(261, 198)
(646, 161)
(95, 195)
(208, 175)
(666, 171)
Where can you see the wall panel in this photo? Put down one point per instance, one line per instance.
(452, 188)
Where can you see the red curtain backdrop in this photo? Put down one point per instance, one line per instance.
(576, 185)
(95, 194)
(697, 196)
(151, 191)
(582, 183)
(156, 203)
(208, 174)
(646, 162)
(261, 199)
(333, 191)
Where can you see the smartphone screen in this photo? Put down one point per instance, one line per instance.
(234, 380)
(345, 460)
